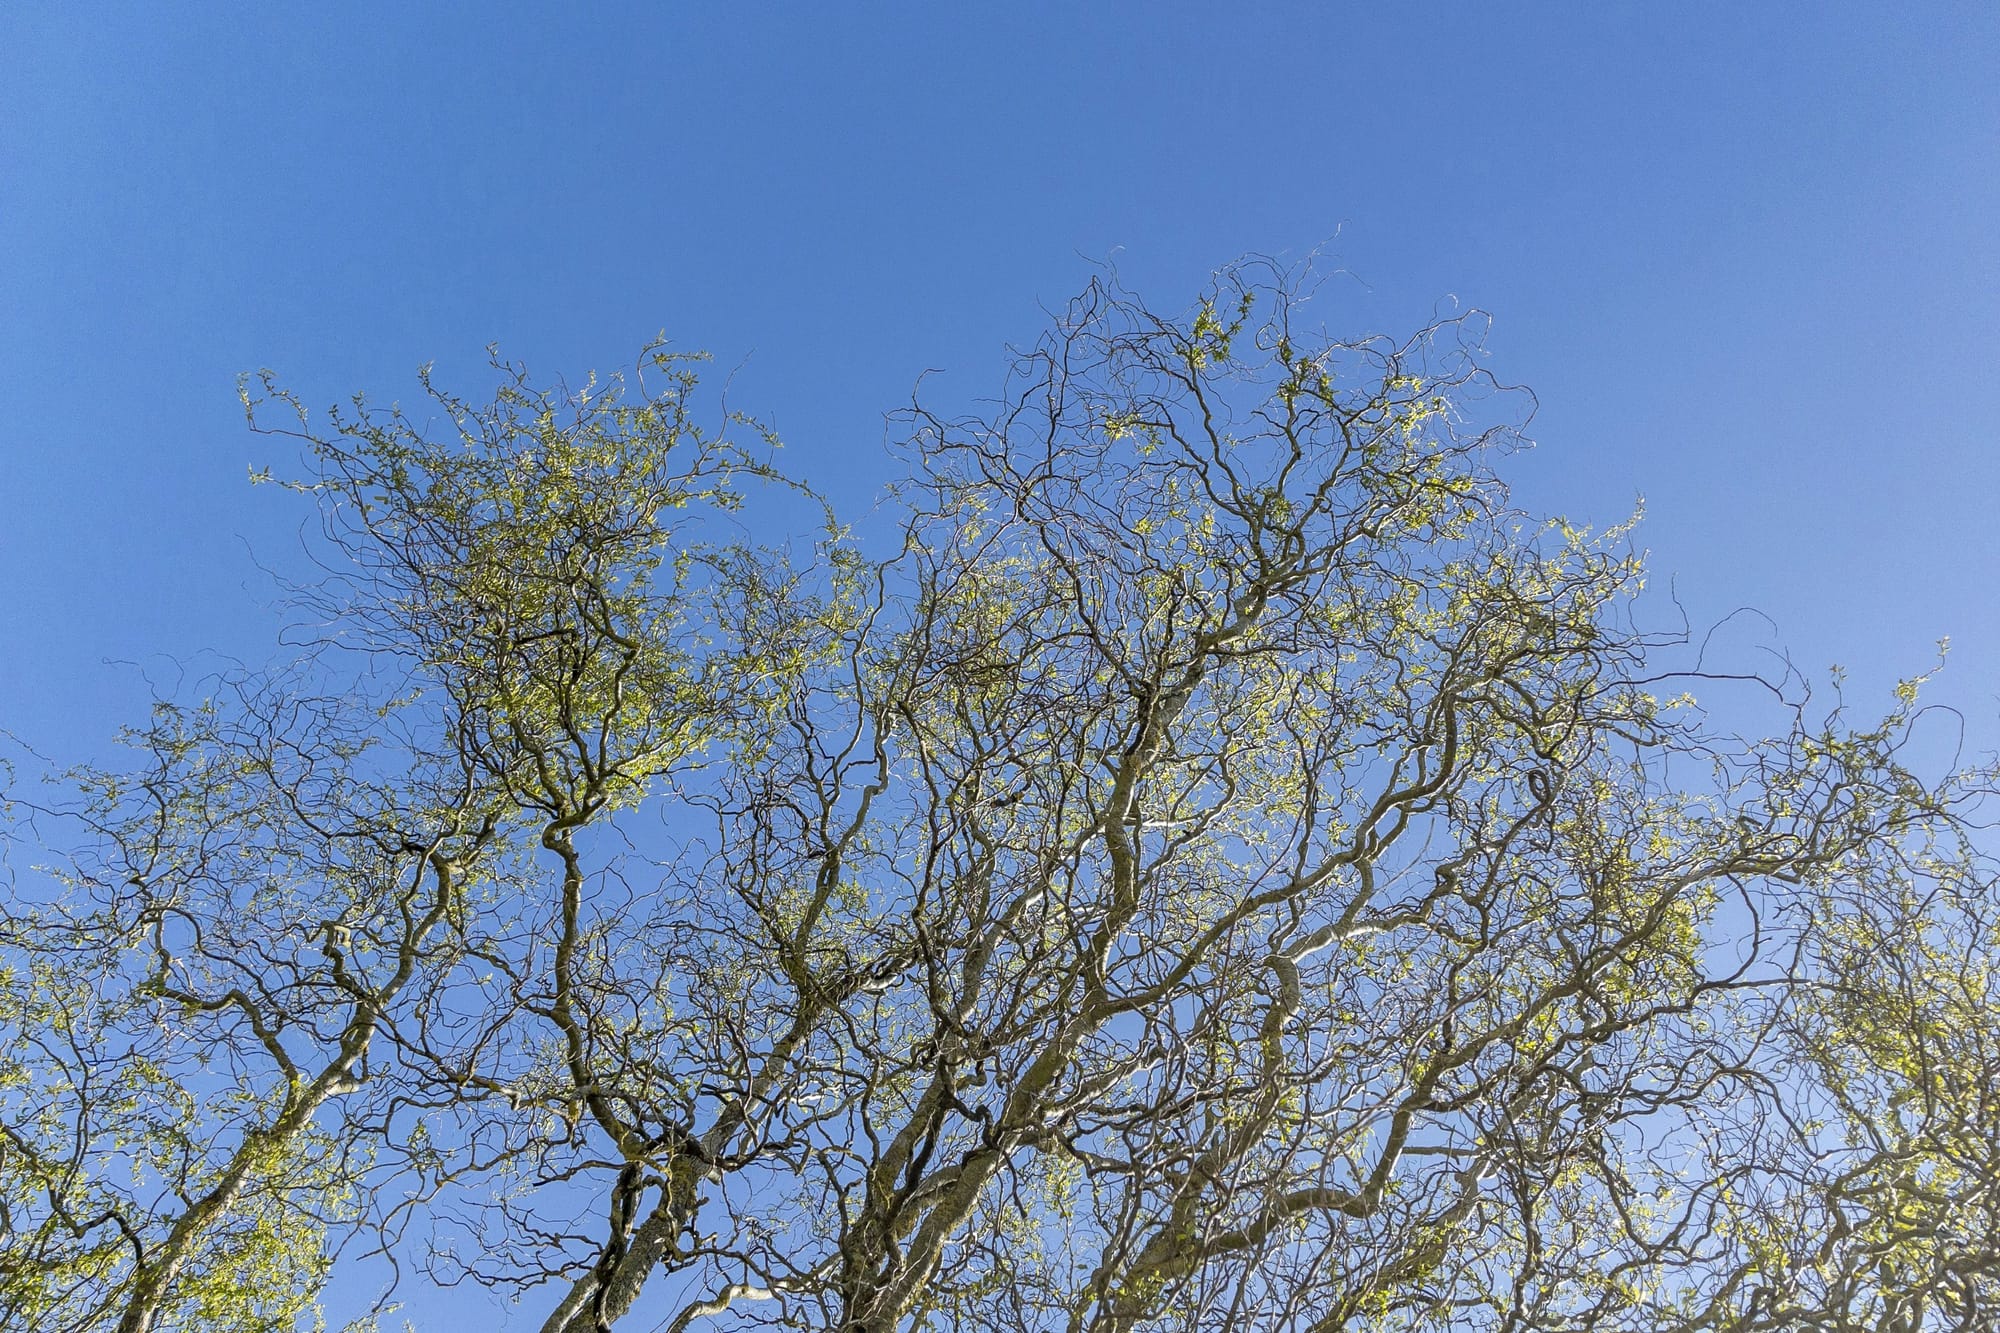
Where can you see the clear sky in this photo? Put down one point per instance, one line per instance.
(1748, 257)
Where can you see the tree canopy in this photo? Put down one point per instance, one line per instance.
(1204, 860)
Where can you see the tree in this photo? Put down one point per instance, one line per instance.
(1221, 866)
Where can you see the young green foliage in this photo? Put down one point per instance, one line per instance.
(1224, 868)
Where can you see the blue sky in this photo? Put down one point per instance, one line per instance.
(1746, 255)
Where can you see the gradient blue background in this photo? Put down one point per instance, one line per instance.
(1746, 255)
